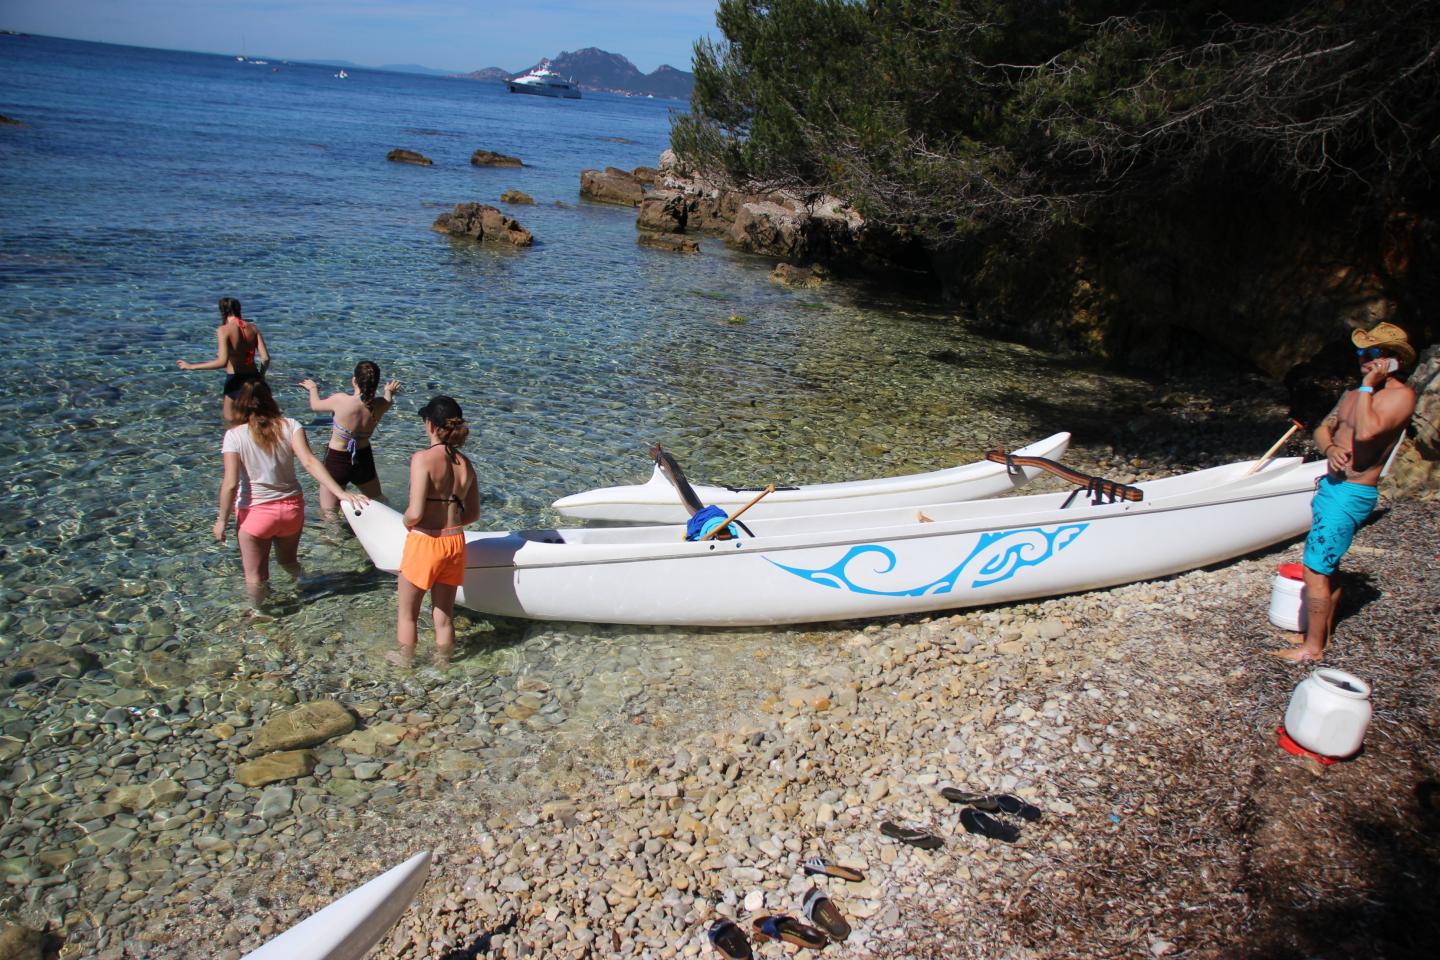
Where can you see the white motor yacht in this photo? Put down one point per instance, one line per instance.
(544, 82)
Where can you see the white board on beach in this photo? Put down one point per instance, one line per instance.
(349, 927)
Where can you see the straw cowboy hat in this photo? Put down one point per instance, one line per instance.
(1389, 337)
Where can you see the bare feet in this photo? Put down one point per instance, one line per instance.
(401, 657)
(443, 654)
(1298, 654)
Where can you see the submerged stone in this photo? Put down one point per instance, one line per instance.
(305, 726)
(288, 765)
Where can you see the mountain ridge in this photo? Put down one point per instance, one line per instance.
(596, 69)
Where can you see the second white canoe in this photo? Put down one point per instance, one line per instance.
(656, 501)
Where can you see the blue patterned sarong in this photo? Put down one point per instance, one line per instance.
(1337, 511)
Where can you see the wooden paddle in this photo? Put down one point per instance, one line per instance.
(736, 515)
(1097, 486)
(1269, 454)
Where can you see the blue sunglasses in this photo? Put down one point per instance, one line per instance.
(1368, 353)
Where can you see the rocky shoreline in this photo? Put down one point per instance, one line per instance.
(1137, 719)
(683, 786)
(618, 789)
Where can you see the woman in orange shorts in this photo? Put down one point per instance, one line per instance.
(443, 499)
(269, 506)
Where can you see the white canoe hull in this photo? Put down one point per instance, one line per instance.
(874, 564)
(656, 501)
(349, 927)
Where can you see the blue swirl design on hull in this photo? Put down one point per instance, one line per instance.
(997, 557)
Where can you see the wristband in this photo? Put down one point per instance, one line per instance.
(1367, 389)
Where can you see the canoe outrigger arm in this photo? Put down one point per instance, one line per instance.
(1098, 489)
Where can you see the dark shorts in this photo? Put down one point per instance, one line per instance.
(234, 381)
(345, 471)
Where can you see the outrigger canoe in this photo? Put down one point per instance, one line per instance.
(655, 501)
(348, 928)
(873, 564)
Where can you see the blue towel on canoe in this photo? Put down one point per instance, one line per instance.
(706, 520)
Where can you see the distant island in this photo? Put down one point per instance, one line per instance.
(596, 69)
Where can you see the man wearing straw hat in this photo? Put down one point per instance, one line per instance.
(1356, 437)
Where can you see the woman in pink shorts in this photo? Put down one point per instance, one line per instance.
(260, 485)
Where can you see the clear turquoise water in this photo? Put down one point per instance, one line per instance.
(146, 184)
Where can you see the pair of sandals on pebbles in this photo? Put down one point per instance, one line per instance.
(975, 818)
(826, 924)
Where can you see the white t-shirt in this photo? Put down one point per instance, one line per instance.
(265, 476)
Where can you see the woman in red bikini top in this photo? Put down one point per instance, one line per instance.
(237, 341)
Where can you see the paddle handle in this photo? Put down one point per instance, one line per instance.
(736, 515)
(1096, 485)
(1294, 425)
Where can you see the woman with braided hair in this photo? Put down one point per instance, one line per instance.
(348, 456)
(444, 497)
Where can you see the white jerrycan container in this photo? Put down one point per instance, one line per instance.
(1287, 598)
(1329, 712)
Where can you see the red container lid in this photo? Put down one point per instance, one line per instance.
(1291, 571)
(1290, 746)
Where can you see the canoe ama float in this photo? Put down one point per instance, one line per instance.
(656, 501)
(349, 927)
(872, 564)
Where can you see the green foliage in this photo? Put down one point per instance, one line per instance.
(961, 116)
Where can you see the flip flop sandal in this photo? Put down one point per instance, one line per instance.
(727, 938)
(819, 865)
(976, 821)
(960, 796)
(916, 838)
(1014, 806)
(1003, 803)
(821, 911)
(789, 930)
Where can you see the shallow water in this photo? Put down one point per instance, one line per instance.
(147, 184)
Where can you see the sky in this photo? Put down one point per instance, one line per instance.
(457, 35)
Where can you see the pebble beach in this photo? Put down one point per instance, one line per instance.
(687, 777)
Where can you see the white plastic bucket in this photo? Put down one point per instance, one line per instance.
(1287, 598)
(1329, 712)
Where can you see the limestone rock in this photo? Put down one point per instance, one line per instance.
(770, 228)
(668, 241)
(21, 943)
(43, 661)
(670, 165)
(611, 185)
(408, 156)
(479, 221)
(663, 213)
(789, 275)
(304, 726)
(646, 175)
(372, 740)
(287, 765)
(489, 158)
(143, 796)
(516, 196)
(716, 209)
